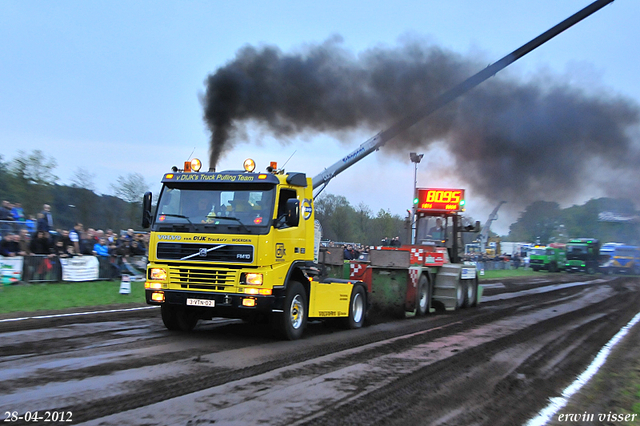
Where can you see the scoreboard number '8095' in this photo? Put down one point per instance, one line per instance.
(437, 199)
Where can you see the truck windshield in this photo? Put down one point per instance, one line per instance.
(576, 252)
(626, 252)
(225, 208)
(431, 229)
(537, 252)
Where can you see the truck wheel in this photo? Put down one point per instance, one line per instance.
(169, 317)
(424, 296)
(535, 268)
(357, 308)
(471, 298)
(291, 323)
(186, 319)
(590, 270)
(553, 267)
(461, 293)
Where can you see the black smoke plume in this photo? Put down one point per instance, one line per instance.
(511, 139)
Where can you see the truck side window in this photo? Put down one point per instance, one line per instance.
(285, 194)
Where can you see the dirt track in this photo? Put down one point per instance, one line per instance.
(493, 365)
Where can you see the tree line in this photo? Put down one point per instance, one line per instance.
(30, 179)
(342, 222)
(607, 219)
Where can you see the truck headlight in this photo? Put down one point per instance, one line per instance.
(152, 286)
(258, 291)
(157, 274)
(157, 296)
(251, 278)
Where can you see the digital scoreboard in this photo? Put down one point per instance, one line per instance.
(440, 200)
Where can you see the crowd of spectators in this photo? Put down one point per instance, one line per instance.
(391, 242)
(36, 236)
(13, 219)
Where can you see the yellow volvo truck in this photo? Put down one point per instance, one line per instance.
(240, 244)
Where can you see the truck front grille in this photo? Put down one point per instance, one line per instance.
(200, 252)
(194, 277)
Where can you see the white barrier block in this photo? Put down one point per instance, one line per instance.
(125, 285)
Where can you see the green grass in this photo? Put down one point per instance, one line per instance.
(506, 273)
(636, 406)
(54, 296)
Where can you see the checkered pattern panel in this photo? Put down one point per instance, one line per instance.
(417, 256)
(356, 269)
(414, 275)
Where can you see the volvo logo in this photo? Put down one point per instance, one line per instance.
(307, 208)
(202, 252)
(169, 237)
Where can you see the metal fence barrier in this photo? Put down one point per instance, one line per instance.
(11, 227)
(42, 268)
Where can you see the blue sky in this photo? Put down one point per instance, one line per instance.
(113, 86)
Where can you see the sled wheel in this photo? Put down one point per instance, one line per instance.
(461, 293)
(471, 298)
(424, 296)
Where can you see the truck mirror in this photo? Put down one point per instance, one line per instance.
(146, 210)
(293, 212)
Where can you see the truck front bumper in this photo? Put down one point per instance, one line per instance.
(221, 304)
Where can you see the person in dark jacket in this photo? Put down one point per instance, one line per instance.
(40, 244)
(41, 223)
(9, 246)
(61, 250)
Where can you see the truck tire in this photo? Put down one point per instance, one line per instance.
(461, 293)
(423, 302)
(186, 319)
(169, 317)
(535, 268)
(590, 270)
(291, 323)
(357, 308)
(471, 298)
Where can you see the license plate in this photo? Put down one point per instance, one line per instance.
(201, 302)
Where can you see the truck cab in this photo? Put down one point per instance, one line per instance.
(583, 255)
(548, 258)
(618, 258)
